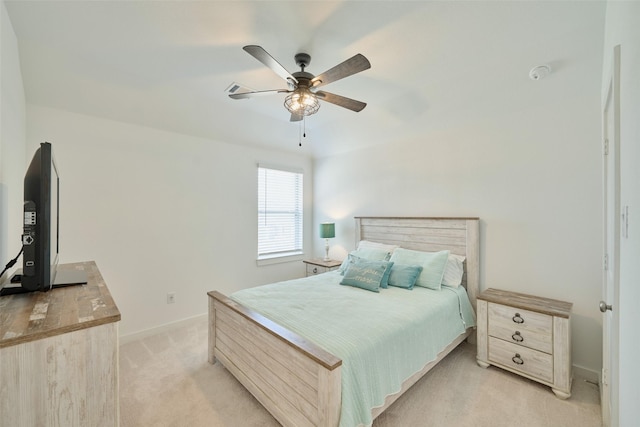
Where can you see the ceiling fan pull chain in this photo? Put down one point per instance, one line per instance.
(303, 130)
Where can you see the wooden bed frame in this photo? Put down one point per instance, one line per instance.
(298, 382)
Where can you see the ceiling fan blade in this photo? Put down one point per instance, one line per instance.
(295, 117)
(341, 101)
(351, 66)
(245, 95)
(263, 56)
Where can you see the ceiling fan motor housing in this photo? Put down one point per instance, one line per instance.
(304, 78)
(303, 60)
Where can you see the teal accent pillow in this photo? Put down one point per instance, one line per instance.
(384, 283)
(433, 264)
(369, 275)
(404, 276)
(371, 254)
(350, 259)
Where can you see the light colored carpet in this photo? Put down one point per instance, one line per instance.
(165, 380)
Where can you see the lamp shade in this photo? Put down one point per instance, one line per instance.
(327, 230)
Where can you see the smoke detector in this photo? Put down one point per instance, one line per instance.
(539, 72)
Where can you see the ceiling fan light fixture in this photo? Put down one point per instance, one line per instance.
(302, 102)
(303, 97)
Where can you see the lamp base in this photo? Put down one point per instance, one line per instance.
(326, 251)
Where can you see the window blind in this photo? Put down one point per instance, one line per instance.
(279, 212)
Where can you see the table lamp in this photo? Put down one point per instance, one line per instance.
(327, 231)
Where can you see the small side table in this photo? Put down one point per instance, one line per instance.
(527, 335)
(318, 265)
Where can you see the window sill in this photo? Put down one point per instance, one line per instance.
(278, 259)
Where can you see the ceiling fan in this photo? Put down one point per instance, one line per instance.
(303, 93)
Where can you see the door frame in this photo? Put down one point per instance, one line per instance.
(609, 381)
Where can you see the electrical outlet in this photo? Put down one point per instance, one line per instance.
(171, 297)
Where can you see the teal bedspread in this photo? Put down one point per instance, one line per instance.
(382, 338)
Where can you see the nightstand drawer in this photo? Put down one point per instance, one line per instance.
(522, 327)
(316, 269)
(319, 266)
(531, 362)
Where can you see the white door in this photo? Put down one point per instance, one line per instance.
(611, 217)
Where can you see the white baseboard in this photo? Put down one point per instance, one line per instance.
(586, 374)
(124, 339)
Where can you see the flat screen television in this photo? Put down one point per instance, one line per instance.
(41, 229)
(41, 223)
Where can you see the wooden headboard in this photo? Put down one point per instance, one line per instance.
(459, 235)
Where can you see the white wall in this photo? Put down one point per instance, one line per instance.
(531, 174)
(12, 142)
(159, 212)
(622, 29)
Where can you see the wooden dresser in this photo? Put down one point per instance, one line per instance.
(527, 335)
(59, 355)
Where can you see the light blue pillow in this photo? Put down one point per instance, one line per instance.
(384, 283)
(371, 254)
(350, 259)
(404, 276)
(433, 264)
(369, 275)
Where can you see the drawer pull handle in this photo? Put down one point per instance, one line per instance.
(315, 269)
(517, 337)
(517, 318)
(517, 359)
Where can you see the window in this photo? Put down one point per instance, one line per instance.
(279, 212)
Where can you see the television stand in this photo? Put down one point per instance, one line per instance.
(63, 279)
(59, 353)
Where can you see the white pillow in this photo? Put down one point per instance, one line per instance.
(367, 244)
(453, 271)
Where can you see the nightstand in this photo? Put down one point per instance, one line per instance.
(317, 266)
(527, 335)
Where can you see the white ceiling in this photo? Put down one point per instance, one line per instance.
(166, 64)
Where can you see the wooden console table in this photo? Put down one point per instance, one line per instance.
(59, 355)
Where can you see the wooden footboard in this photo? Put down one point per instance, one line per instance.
(298, 382)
